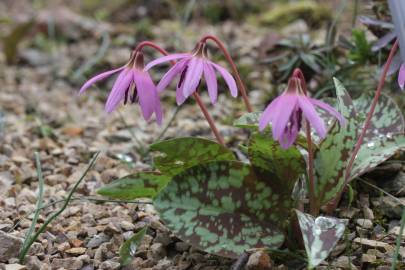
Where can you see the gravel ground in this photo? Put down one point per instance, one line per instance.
(41, 111)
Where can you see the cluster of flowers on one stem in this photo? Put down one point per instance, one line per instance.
(134, 84)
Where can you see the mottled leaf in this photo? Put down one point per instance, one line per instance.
(133, 186)
(320, 236)
(375, 152)
(176, 155)
(334, 151)
(387, 118)
(248, 120)
(225, 207)
(287, 164)
(129, 247)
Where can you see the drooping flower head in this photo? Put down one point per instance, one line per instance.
(190, 68)
(132, 84)
(287, 111)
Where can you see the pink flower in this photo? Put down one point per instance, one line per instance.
(191, 68)
(401, 77)
(131, 78)
(286, 111)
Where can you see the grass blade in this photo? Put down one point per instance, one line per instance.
(24, 251)
(38, 206)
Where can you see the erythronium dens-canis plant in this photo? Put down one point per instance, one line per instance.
(225, 206)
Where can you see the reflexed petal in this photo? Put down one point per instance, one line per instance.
(158, 111)
(193, 76)
(268, 114)
(285, 107)
(329, 109)
(211, 80)
(169, 76)
(147, 93)
(180, 98)
(117, 93)
(312, 116)
(401, 77)
(97, 78)
(230, 81)
(395, 64)
(166, 58)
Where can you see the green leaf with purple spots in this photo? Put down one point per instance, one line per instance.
(133, 186)
(387, 118)
(225, 207)
(320, 236)
(330, 160)
(287, 164)
(176, 155)
(375, 152)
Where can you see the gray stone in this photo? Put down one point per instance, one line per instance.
(365, 223)
(9, 246)
(15, 266)
(97, 240)
(368, 258)
(368, 213)
(156, 251)
(389, 206)
(163, 238)
(67, 263)
(33, 263)
(344, 262)
(127, 226)
(259, 261)
(109, 265)
(162, 264)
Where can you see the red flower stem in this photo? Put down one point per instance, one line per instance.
(234, 69)
(198, 99)
(331, 207)
(314, 208)
(209, 119)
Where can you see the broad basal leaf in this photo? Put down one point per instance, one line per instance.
(129, 247)
(320, 236)
(225, 207)
(387, 118)
(178, 154)
(248, 120)
(138, 185)
(287, 164)
(375, 152)
(331, 158)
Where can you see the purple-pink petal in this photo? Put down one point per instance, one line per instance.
(117, 93)
(193, 76)
(146, 92)
(166, 58)
(283, 111)
(401, 77)
(170, 75)
(98, 77)
(268, 114)
(312, 116)
(211, 80)
(230, 81)
(180, 98)
(329, 109)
